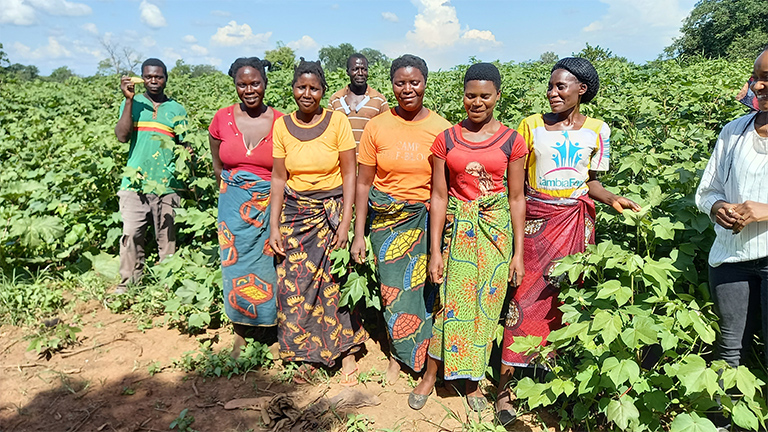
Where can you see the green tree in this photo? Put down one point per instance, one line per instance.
(374, 56)
(3, 57)
(723, 28)
(180, 68)
(23, 72)
(61, 74)
(121, 60)
(282, 57)
(334, 58)
(597, 53)
(548, 57)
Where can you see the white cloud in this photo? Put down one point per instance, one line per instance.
(234, 34)
(171, 55)
(151, 15)
(390, 16)
(221, 13)
(189, 39)
(213, 61)
(198, 50)
(437, 26)
(305, 43)
(61, 7)
(89, 49)
(54, 50)
(90, 28)
(16, 12)
(657, 20)
(148, 41)
(24, 12)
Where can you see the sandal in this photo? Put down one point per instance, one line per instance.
(346, 381)
(506, 416)
(304, 374)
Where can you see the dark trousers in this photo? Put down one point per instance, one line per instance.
(740, 293)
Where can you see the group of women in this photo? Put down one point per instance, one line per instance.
(455, 214)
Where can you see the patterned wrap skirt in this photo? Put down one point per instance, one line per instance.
(311, 325)
(247, 260)
(478, 245)
(399, 238)
(554, 228)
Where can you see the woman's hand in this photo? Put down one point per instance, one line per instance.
(621, 203)
(276, 241)
(358, 249)
(436, 268)
(748, 212)
(341, 238)
(725, 214)
(516, 270)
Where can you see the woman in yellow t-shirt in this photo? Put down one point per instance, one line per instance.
(313, 183)
(395, 159)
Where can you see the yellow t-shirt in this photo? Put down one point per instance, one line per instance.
(311, 153)
(400, 151)
(559, 161)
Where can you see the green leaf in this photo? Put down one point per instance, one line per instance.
(694, 374)
(621, 371)
(744, 417)
(608, 324)
(685, 422)
(614, 288)
(622, 411)
(525, 344)
(747, 382)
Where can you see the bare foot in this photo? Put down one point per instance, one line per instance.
(425, 386)
(393, 371)
(348, 370)
(237, 348)
(504, 400)
(472, 389)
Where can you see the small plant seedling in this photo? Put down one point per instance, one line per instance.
(183, 422)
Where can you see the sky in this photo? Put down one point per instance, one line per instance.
(54, 33)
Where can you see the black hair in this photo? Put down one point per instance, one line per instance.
(407, 60)
(356, 56)
(583, 70)
(154, 62)
(310, 67)
(483, 72)
(254, 62)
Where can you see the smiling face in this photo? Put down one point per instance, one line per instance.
(358, 72)
(308, 91)
(250, 86)
(154, 80)
(564, 91)
(408, 85)
(479, 100)
(760, 81)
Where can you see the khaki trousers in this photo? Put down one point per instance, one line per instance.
(138, 211)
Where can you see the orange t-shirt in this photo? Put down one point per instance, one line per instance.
(400, 151)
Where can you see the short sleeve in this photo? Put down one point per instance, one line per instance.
(438, 147)
(524, 129)
(367, 150)
(215, 127)
(600, 160)
(122, 108)
(345, 137)
(519, 148)
(278, 139)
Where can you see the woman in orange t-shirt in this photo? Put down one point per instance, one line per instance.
(394, 175)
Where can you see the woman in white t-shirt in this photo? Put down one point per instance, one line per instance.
(734, 193)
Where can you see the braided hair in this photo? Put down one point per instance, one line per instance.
(408, 60)
(310, 67)
(483, 72)
(254, 62)
(583, 70)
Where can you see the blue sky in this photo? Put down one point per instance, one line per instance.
(53, 33)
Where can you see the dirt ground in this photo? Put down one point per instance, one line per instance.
(104, 384)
